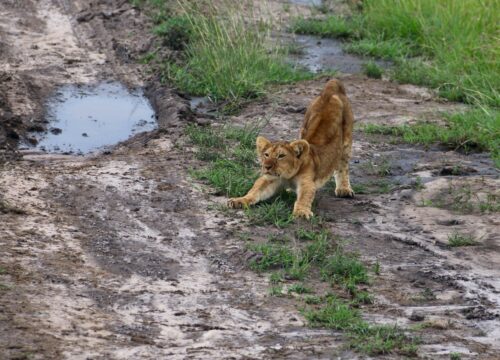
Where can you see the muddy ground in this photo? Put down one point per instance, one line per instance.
(123, 255)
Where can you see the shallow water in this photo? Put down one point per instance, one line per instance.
(86, 118)
(306, 2)
(320, 54)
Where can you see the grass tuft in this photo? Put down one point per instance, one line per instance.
(457, 240)
(371, 69)
(345, 269)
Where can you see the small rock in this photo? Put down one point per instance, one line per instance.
(55, 131)
(406, 194)
(85, 135)
(417, 316)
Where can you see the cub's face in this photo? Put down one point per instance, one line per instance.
(281, 159)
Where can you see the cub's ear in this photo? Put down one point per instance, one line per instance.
(300, 147)
(262, 144)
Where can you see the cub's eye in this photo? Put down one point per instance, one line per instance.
(281, 156)
(266, 154)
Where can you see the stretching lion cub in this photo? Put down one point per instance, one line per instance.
(307, 164)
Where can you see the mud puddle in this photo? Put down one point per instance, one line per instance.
(87, 118)
(321, 54)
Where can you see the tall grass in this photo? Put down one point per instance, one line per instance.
(228, 57)
(456, 39)
(454, 44)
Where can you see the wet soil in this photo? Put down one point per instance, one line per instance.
(122, 255)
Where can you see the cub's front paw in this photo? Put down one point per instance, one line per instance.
(344, 192)
(302, 213)
(238, 203)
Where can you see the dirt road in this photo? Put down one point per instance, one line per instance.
(123, 255)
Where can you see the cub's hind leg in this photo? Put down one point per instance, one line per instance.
(342, 183)
(263, 189)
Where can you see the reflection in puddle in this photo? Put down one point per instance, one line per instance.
(320, 54)
(86, 118)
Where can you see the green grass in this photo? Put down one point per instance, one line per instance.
(176, 32)
(466, 198)
(312, 300)
(313, 253)
(225, 56)
(333, 26)
(370, 339)
(344, 268)
(371, 69)
(276, 290)
(382, 339)
(384, 49)
(473, 130)
(299, 289)
(378, 186)
(455, 356)
(430, 42)
(457, 240)
(293, 262)
(335, 314)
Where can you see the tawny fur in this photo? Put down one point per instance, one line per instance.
(307, 164)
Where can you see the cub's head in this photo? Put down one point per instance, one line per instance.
(281, 159)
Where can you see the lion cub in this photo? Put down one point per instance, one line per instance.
(307, 164)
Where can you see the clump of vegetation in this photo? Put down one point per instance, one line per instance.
(225, 56)
(371, 69)
(176, 32)
(469, 131)
(457, 239)
(333, 26)
(299, 289)
(466, 198)
(6, 208)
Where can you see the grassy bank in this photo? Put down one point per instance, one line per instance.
(451, 46)
(221, 52)
(470, 131)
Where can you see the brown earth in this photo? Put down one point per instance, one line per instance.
(124, 256)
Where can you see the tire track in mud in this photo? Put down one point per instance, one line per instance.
(146, 278)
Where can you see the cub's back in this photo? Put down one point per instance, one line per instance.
(324, 119)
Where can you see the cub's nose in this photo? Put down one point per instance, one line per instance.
(268, 167)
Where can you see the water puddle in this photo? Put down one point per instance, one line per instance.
(306, 2)
(87, 118)
(321, 54)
